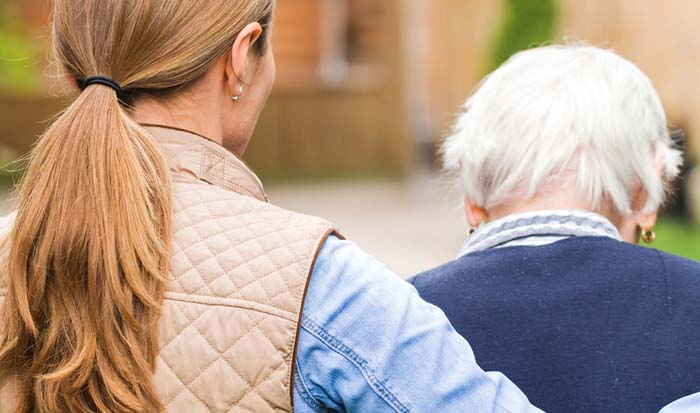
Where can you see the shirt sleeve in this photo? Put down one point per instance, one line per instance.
(6, 223)
(368, 343)
(690, 404)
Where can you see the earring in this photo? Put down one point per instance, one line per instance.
(239, 95)
(648, 236)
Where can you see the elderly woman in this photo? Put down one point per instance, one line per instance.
(564, 158)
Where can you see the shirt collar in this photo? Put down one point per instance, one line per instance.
(197, 157)
(539, 228)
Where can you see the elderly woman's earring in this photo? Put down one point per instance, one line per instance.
(239, 95)
(648, 236)
(472, 230)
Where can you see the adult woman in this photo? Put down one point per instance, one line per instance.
(141, 246)
(564, 150)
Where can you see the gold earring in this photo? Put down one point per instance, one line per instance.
(648, 236)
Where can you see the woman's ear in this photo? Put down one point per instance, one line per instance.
(476, 215)
(646, 221)
(72, 81)
(237, 69)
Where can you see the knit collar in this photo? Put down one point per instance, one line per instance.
(539, 228)
(198, 157)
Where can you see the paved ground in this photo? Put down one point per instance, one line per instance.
(410, 225)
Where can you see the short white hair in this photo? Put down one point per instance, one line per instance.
(564, 114)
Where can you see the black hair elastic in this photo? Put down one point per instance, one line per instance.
(105, 81)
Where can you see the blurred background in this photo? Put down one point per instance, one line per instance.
(368, 88)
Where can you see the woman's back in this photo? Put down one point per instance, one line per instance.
(586, 324)
(562, 154)
(89, 254)
(238, 273)
(145, 271)
(231, 336)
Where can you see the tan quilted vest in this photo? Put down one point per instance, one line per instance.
(239, 271)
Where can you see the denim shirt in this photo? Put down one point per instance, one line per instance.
(368, 343)
(690, 404)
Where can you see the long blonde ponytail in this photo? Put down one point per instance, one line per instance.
(89, 249)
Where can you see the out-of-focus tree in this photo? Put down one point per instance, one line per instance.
(19, 53)
(524, 24)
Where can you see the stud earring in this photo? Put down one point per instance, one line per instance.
(648, 236)
(237, 97)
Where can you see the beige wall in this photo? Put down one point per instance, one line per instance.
(441, 52)
(661, 36)
(310, 127)
(446, 59)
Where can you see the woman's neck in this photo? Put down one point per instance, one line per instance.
(554, 200)
(200, 120)
(567, 198)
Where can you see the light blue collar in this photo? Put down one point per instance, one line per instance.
(539, 228)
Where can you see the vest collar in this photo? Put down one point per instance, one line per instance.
(197, 157)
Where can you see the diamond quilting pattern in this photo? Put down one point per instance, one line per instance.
(238, 271)
(230, 241)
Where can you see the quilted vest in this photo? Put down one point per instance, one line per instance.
(238, 275)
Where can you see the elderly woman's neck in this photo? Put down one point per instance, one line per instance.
(555, 200)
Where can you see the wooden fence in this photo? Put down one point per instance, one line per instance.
(301, 133)
(330, 132)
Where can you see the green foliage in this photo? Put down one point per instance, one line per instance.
(524, 23)
(19, 53)
(678, 237)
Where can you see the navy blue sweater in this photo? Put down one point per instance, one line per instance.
(582, 325)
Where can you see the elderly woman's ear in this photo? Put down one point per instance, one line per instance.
(640, 222)
(646, 220)
(476, 215)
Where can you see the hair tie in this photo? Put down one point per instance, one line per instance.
(105, 81)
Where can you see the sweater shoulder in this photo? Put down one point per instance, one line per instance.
(575, 254)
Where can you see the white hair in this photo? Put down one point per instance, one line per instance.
(564, 115)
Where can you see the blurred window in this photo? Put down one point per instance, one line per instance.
(330, 42)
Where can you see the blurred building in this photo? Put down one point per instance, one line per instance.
(449, 44)
(450, 56)
(658, 35)
(337, 107)
(360, 81)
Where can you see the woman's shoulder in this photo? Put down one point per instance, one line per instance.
(682, 278)
(583, 252)
(605, 251)
(680, 269)
(666, 262)
(681, 275)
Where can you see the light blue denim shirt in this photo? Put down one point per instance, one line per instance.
(690, 404)
(368, 343)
